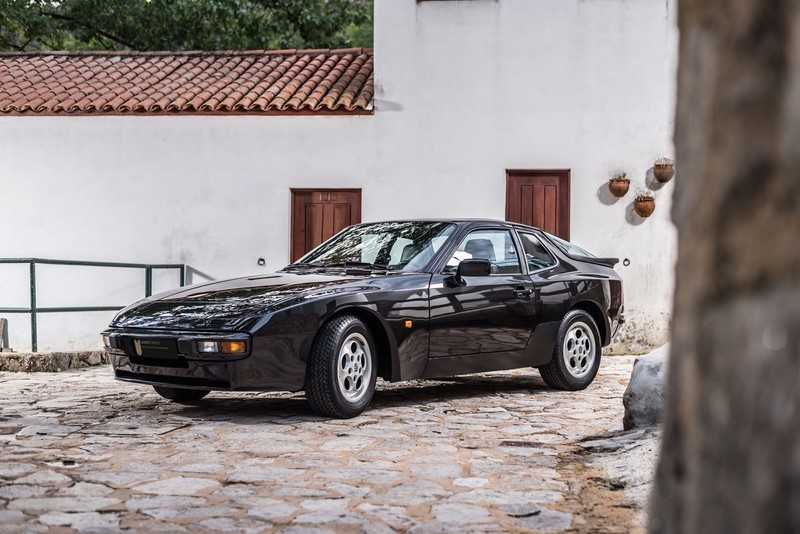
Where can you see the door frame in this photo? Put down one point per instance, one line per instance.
(293, 190)
(564, 184)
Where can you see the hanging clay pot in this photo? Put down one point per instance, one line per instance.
(644, 206)
(663, 172)
(619, 186)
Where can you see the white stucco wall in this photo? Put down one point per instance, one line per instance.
(464, 91)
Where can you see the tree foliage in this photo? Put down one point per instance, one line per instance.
(184, 24)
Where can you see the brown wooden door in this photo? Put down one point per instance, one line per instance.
(540, 199)
(319, 214)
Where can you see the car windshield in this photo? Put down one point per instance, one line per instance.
(396, 246)
(569, 248)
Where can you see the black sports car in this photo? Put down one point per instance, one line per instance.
(401, 300)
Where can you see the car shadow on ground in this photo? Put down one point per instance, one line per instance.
(434, 391)
(281, 407)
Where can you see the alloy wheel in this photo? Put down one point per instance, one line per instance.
(579, 349)
(354, 367)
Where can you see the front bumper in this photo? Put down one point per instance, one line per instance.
(273, 363)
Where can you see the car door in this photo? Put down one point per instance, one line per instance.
(488, 314)
(551, 293)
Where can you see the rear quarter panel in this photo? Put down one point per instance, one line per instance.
(587, 285)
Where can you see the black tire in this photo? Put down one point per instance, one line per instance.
(343, 343)
(578, 369)
(180, 395)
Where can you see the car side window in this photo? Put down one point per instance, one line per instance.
(497, 246)
(537, 256)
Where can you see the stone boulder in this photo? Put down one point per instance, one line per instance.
(644, 398)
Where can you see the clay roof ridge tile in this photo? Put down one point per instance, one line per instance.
(13, 107)
(53, 100)
(300, 72)
(134, 104)
(280, 81)
(263, 75)
(311, 85)
(209, 105)
(190, 95)
(166, 87)
(71, 105)
(349, 95)
(132, 99)
(201, 97)
(300, 92)
(365, 96)
(331, 99)
(265, 79)
(101, 89)
(222, 95)
(359, 77)
(246, 84)
(177, 104)
(121, 94)
(325, 86)
(220, 74)
(24, 106)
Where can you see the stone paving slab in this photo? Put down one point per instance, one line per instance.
(495, 452)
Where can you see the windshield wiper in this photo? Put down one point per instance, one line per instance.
(339, 264)
(359, 265)
(303, 266)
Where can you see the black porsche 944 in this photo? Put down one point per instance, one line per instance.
(399, 300)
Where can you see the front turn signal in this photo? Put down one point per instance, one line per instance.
(233, 347)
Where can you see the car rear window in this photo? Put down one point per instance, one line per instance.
(569, 248)
(536, 254)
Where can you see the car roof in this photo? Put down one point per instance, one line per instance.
(460, 221)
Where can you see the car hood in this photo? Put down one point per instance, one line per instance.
(232, 304)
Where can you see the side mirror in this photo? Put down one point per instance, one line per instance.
(471, 268)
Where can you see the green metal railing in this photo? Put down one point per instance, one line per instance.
(33, 310)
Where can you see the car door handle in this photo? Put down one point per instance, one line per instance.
(523, 292)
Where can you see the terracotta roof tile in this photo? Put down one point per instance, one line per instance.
(186, 82)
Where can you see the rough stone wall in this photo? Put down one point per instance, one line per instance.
(50, 361)
(730, 459)
(641, 334)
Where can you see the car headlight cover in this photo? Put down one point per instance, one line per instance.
(233, 347)
(207, 346)
(224, 347)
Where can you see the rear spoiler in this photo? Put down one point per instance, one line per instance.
(608, 262)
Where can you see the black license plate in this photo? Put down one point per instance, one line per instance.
(154, 348)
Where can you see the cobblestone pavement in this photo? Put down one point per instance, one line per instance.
(492, 452)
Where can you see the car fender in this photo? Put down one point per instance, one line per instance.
(313, 313)
(384, 338)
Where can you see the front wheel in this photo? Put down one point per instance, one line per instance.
(576, 356)
(180, 395)
(340, 374)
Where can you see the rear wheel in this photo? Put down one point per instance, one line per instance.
(340, 374)
(576, 356)
(180, 395)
